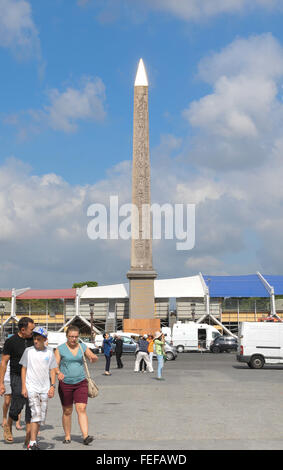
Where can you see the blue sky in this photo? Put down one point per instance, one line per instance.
(215, 70)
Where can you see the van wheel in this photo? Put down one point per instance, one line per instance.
(169, 356)
(180, 348)
(215, 349)
(256, 362)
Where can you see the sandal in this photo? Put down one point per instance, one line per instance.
(8, 437)
(67, 441)
(88, 440)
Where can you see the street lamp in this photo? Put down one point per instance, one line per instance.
(2, 310)
(91, 309)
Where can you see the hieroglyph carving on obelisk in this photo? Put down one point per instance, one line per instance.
(141, 247)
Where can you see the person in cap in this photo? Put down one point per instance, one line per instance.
(159, 343)
(38, 380)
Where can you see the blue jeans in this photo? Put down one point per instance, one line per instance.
(160, 361)
(108, 360)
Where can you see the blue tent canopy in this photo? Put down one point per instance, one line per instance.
(276, 282)
(236, 286)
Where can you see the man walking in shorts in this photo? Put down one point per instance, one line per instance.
(13, 351)
(38, 367)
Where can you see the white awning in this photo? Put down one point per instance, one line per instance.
(163, 288)
(115, 291)
(179, 287)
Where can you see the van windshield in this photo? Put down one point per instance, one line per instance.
(215, 334)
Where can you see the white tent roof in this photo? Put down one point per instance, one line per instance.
(179, 287)
(115, 291)
(163, 288)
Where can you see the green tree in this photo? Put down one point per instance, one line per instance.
(86, 283)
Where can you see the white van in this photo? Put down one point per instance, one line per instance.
(260, 343)
(55, 339)
(190, 336)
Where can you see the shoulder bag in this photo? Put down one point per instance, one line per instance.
(93, 389)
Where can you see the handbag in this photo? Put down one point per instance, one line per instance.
(93, 389)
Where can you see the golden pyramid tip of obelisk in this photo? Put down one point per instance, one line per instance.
(141, 77)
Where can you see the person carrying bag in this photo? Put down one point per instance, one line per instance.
(93, 389)
(73, 379)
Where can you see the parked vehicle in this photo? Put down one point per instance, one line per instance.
(56, 338)
(260, 343)
(224, 344)
(129, 345)
(99, 338)
(89, 344)
(190, 336)
(170, 351)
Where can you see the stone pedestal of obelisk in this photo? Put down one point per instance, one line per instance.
(141, 275)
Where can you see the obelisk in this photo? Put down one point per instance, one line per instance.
(141, 275)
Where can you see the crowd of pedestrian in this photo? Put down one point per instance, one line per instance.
(28, 376)
(146, 346)
(33, 370)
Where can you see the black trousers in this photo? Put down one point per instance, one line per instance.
(17, 400)
(118, 359)
(142, 365)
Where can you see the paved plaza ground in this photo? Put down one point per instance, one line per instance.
(208, 401)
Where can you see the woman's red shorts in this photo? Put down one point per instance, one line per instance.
(73, 393)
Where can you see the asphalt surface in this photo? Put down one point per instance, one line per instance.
(207, 401)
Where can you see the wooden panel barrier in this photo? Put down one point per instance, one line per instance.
(141, 326)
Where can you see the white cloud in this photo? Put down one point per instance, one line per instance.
(243, 116)
(186, 10)
(235, 108)
(207, 264)
(17, 29)
(64, 111)
(86, 103)
(198, 9)
(43, 235)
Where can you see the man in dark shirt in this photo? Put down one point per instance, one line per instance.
(119, 351)
(143, 354)
(13, 350)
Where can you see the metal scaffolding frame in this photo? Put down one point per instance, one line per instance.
(208, 313)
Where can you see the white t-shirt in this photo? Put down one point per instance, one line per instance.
(38, 364)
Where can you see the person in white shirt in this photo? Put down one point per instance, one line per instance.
(38, 367)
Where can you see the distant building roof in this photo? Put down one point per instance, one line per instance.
(219, 286)
(48, 294)
(6, 294)
(236, 286)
